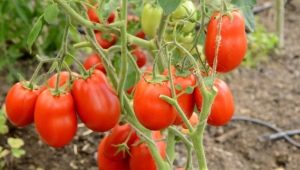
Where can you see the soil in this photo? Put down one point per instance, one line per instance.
(269, 92)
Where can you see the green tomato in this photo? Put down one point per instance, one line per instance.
(186, 10)
(151, 17)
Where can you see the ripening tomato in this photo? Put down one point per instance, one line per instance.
(94, 60)
(107, 40)
(223, 106)
(150, 19)
(141, 158)
(96, 103)
(153, 112)
(141, 34)
(55, 118)
(105, 163)
(140, 55)
(233, 45)
(19, 103)
(119, 135)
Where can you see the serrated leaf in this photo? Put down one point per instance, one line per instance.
(246, 7)
(169, 5)
(35, 31)
(189, 90)
(18, 152)
(15, 143)
(51, 13)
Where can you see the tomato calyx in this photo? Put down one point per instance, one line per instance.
(29, 85)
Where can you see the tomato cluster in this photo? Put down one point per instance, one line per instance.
(54, 113)
(122, 149)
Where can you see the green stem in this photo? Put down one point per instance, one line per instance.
(82, 45)
(124, 62)
(171, 146)
(78, 63)
(35, 74)
(187, 143)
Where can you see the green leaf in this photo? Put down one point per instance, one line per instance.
(169, 5)
(3, 129)
(15, 143)
(189, 90)
(18, 152)
(246, 7)
(35, 31)
(51, 13)
(4, 153)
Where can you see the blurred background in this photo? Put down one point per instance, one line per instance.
(265, 87)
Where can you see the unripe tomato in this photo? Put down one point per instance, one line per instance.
(141, 158)
(94, 60)
(55, 118)
(150, 20)
(233, 45)
(19, 103)
(141, 57)
(223, 106)
(106, 42)
(97, 105)
(105, 163)
(186, 10)
(153, 112)
(119, 135)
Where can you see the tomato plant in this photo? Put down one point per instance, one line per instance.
(175, 93)
(97, 105)
(55, 119)
(20, 103)
(233, 45)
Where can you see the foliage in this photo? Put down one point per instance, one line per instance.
(260, 44)
(17, 19)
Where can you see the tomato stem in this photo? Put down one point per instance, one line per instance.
(171, 147)
(35, 74)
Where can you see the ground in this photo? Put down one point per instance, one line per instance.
(269, 92)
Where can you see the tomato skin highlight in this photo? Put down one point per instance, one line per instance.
(119, 135)
(19, 104)
(105, 163)
(233, 45)
(141, 57)
(55, 118)
(141, 158)
(96, 103)
(223, 106)
(92, 60)
(151, 111)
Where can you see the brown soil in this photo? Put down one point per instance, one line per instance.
(268, 92)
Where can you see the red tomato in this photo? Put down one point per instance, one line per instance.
(141, 34)
(233, 44)
(106, 164)
(153, 112)
(185, 101)
(223, 106)
(55, 118)
(119, 135)
(92, 14)
(64, 77)
(106, 42)
(141, 158)
(140, 55)
(20, 103)
(92, 60)
(193, 120)
(97, 105)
